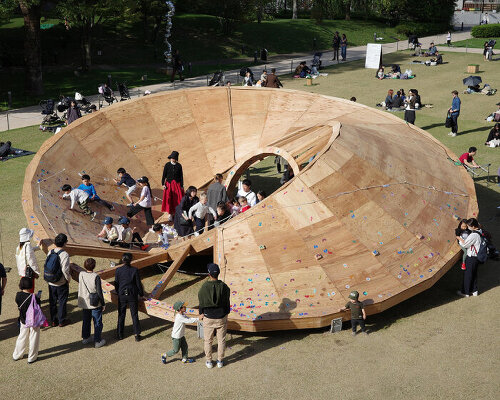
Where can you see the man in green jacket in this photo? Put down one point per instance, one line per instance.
(214, 305)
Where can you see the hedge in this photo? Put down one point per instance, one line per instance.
(486, 31)
(421, 28)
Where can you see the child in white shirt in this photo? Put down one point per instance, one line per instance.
(80, 197)
(165, 234)
(200, 211)
(178, 331)
(108, 233)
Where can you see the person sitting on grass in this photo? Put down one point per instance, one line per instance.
(80, 197)
(89, 188)
(358, 313)
(439, 58)
(467, 159)
(388, 99)
(380, 73)
(494, 116)
(432, 50)
(493, 139)
(178, 333)
(397, 100)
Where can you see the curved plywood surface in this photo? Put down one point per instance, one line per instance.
(376, 184)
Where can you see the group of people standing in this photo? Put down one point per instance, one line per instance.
(339, 42)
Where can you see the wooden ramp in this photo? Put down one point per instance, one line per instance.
(372, 206)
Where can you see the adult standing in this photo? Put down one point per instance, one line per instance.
(410, 102)
(214, 306)
(454, 111)
(336, 45)
(272, 80)
(182, 224)
(57, 274)
(27, 265)
(129, 288)
(343, 47)
(472, 244)
(3, 284)
(216, 192)
(91, 301)
(173, 182)
(177, 66)
(246, 191)
(73, 113)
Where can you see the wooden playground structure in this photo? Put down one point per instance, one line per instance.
(372, 207)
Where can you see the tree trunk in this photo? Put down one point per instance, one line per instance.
(259, 14)
(32, 48)
(86, 46)
(145, 24)
(348, 10)
(294, 9)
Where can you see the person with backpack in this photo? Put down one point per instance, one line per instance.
(26, 334)
(57, 274)
(91, 301)
(129, 288)
(476, 254)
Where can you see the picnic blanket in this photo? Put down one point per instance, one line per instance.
(17, 153)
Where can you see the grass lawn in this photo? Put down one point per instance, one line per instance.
(127, 57)
(433, 345)
(477, 43)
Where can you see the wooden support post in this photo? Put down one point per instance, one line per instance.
(167, 276)
(139, 264)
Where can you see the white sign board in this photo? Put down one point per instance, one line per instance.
(373, 55)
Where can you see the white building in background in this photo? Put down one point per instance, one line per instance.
(477, 5)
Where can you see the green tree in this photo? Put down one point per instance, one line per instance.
(85, 15)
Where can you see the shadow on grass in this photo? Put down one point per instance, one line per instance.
(480, 129)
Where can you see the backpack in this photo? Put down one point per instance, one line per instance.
(482, 252)
(34, 315)
(52, 271)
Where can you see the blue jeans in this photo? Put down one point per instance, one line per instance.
(96, 315)
(343, 52)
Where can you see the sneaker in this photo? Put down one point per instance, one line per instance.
(100, 344)
(170, 219)
(353, 333)
(138, 338)
(130, 204)
(220, 364)
(463, 266)
(93, 215)
(64, 323)
(450, 134)
(196, 234)
(459, 292)
(87, 341)
(112, 208)
(145, 247)
(453, 135)
(209, 364)
(475, 293)
(164, 358)
(187, 360)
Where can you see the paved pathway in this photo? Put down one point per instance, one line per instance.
(29, 116)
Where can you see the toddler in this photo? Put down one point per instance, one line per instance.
(358, 314)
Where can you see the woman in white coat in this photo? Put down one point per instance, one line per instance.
(25, 256)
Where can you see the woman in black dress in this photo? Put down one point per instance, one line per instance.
(183, 225)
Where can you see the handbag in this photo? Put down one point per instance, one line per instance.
(185, 222)
(34, 314)
(448, 123)
(93, 297)
(28, 271)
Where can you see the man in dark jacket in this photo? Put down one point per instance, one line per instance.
(272, 80)
(336, 45)
(128, 287)
(214, 305)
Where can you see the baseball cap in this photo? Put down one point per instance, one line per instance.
(213, 270)
(178, 305)
(123, 220)
(354, 295)
(108, 220)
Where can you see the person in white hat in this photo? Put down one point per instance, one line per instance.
(25, 257)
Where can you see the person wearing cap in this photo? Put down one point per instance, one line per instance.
(108, 234)
(25, 257)
(358, 314)
(126, 235)
(214, 306)
(144, 203)
(128, 287)
(178, 331)
(173, 184)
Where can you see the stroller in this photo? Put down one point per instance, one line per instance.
(49, 112)
(414, 44)
(489, 51)
(218, 79)
(316, 63)
(106, 95)
(124, 93)
(83, 104)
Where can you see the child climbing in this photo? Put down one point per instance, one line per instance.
(80, 197)
(129, 182)
(200, 211)
(178, 331)
(463, 232)
(89, 188)
(144, 203)
(358, 314)
(165, 233)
